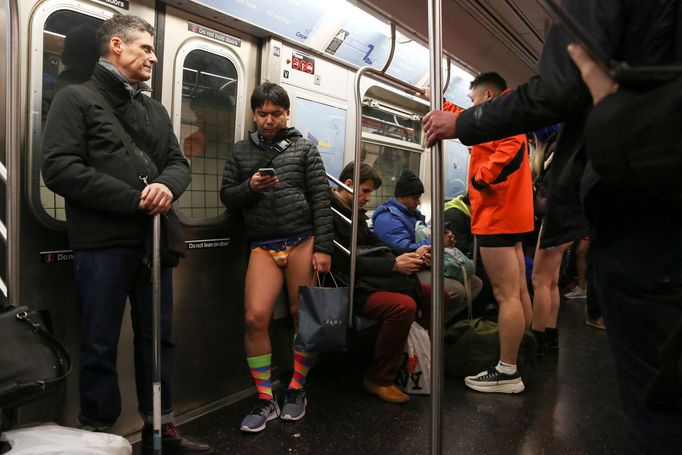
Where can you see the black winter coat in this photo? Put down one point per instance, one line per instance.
(635, 31)
(374, 271)
(298, 203)
(85, 161)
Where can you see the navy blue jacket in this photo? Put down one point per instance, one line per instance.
(394, 225)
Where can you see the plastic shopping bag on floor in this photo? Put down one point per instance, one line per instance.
(52, 439)
(414, 375)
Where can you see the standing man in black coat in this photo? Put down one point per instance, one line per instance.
(111, 198)
(636, 265)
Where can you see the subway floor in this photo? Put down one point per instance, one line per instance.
(570, 406)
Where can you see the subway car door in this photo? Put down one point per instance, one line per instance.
(209, 72)
(60, 49)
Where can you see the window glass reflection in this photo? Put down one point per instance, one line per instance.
(209, 90)
(69, 57)
(391, 124)
(389, 162)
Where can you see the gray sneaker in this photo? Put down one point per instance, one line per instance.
(294, 404)
(262, 412)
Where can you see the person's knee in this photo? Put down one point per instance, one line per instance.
(256, 321)
(455, 289)
(406, 308)
(540, 278)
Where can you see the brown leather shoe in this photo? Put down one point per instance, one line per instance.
(173, 442)
(387, 393)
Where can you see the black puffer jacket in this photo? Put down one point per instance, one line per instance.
(298, 203)
(85, 161)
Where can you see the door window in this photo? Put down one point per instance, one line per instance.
(207, 128)
(69, 57)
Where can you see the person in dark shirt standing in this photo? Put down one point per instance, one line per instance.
(110, 200)
(636, 260)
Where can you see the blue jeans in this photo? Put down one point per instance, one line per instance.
(105, 278)
(637, 272)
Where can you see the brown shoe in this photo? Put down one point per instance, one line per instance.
(387, 393)
(173, 442)
(596, 323)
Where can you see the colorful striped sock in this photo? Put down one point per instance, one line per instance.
(302, 363)
(261, 368)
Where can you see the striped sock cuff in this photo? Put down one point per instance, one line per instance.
(261, 370)
(302, 363)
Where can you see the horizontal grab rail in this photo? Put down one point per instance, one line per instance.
(342, 248)
(339, 183)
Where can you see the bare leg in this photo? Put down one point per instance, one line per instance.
(263, 284)
(523, 287)
(299, 272)
(545, 284)
(556, 295)
(503, 269)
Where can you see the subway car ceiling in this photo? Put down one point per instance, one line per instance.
(489, 35)
(479, 35)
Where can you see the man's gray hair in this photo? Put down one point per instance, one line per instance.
(123, 26)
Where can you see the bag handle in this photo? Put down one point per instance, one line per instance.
(321, 284)
(467, 291)
(63, 354)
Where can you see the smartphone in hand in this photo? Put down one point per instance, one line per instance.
(266, 171)
(423, 255)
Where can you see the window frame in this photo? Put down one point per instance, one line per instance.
(198, 43)
(378, 97)
(35, 98)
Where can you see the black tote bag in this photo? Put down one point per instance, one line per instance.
(322, 317)
(32, 361)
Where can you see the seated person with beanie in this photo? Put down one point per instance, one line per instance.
(394, 224)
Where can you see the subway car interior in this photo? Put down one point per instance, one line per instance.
(211, 56)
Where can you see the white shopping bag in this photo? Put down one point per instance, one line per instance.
(414, 375)
(51, 439)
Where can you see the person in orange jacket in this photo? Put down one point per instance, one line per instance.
(501, 195)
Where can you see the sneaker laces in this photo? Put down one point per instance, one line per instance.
(492, 373)
(293, 396)
(261, 408)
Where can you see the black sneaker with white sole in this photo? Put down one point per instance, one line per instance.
(261, 413)
(494, 381)
(294, 404)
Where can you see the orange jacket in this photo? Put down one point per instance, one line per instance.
(500, 186)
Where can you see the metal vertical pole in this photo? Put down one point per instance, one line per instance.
(156, 333)
(436, 57)
(356, 181)
(12, 156)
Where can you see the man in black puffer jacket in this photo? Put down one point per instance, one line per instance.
(277, 180)
(112, 192)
